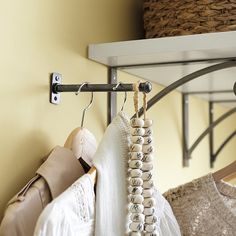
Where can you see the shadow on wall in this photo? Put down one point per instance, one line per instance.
(96, 22)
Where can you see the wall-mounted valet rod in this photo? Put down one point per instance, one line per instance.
(56, 87)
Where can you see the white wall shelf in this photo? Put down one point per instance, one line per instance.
(166, 50)
(165, 60)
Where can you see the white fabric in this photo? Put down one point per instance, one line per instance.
(111, 192)
(71, 213)
(166, 222)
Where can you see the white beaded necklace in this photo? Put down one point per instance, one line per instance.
(141, 201)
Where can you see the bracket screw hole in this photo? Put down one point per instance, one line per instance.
(55, 98)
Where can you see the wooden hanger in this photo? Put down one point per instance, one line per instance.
(93, 174)
(227, 173)
(82, 142)
(76, 143)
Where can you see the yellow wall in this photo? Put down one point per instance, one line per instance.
(40, 37)
(37, 38)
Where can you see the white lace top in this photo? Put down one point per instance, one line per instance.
(71, 213)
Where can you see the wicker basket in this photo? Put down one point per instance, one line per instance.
(184, 17)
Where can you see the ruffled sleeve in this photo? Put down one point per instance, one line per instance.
(167, 224)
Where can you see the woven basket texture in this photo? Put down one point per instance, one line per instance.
(164, 18)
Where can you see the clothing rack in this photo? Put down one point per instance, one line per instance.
(56, 87)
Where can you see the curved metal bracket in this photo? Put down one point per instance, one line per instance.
(206, 131)
(222, 146)
(186, 79)
(213, 155)
(185, 127)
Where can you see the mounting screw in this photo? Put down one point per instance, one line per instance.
(55, 80)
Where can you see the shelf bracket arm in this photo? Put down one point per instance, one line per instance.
(185, 128)
(221, 147)
(211, 133)
(206, 131)
(111, 97)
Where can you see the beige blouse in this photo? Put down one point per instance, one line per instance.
(204, 208)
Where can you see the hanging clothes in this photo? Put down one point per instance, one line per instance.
(74, 213)
(63, 217)
(204, 207)
(110, 161)
(55, 175)
(71, 213)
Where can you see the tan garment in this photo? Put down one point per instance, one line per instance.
(204, 208)
(55, 175)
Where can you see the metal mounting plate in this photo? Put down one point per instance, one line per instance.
(56, 78)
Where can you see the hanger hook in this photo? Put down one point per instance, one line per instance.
(117, 85)
(85, 109)
(125, 99)
(88, 106)
(80, 87)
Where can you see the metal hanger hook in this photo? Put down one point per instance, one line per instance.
(125, 99)
(80, 87)
(88, 106)
(118, 84)
(85, 109)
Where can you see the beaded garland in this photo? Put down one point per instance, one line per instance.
(135, 188)
(149, 201)
(141, 200)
